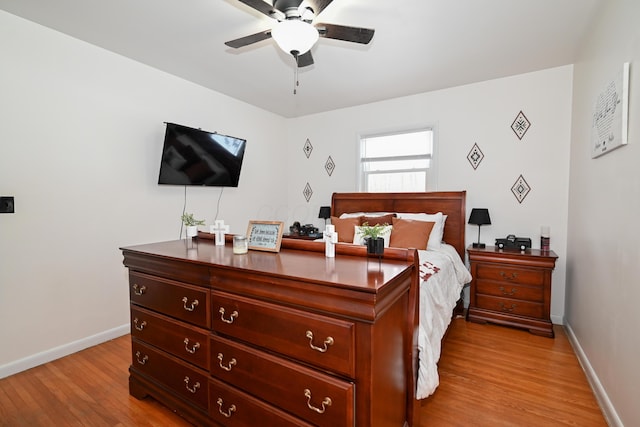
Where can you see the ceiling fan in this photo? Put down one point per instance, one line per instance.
(294, 32)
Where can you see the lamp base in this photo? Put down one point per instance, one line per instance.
(479, 245)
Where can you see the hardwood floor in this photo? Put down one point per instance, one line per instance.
(496, 376)
(489, 376)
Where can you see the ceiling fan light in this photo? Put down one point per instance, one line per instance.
(294, 35)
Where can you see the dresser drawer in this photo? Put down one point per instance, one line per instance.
(510, 306)
(233, 408)
(185, 302)
(510, 290)
(186, 381)
(504, 273)
(322, 341)
(184, 341)
(287, 385)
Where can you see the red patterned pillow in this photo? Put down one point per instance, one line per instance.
(378, 220)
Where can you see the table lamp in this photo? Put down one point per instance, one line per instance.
(325, 212)
(479, 217)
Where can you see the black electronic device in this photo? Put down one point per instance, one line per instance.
(197, 157)
(305, 230)
(513, 242)
(308, 230)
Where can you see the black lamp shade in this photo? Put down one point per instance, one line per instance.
(325, 212)
(479, 217)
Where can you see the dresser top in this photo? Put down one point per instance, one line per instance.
(356, 272)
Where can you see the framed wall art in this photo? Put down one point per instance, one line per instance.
(611, 115)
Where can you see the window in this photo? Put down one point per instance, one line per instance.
(396, 162)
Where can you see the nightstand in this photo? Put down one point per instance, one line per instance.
(512, 288)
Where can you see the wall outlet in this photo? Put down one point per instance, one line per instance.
(6, 205)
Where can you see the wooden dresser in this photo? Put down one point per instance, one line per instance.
(512, 288)
(272, 339)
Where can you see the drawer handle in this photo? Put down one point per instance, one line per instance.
(193, 347)
(230, 365)
(139, 326)
(227, 414)
(231, 318)
(195, 387)
(139, 290)
(326, 402)
(505, 308)
(512, 293)
(193, 305)
(327, 343)
(143, 360)
(512, 276)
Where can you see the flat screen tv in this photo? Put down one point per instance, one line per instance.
(196, 157)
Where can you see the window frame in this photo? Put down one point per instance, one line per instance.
(431, 172)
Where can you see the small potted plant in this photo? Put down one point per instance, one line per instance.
(372, 235)
(191, 223)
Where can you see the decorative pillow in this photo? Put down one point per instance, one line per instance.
(345, 227)
(435, 238)
(409, 233)
(378, 219)
(358, 239)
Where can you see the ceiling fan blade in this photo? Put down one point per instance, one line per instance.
(348, 34)
(318, 5)
(305, 59)
(247, 40)
(264, 7)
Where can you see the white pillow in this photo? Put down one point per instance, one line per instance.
(435, 238)
(358, 239)
(357, 214)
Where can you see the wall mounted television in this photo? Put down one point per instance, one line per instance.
(197, 157)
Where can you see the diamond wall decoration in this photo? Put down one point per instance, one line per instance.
(475, 156)
(329, 166)
(520, 189)
(307, 148)
(520, 125)
(307, 192)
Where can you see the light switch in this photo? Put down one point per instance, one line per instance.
(6, 205)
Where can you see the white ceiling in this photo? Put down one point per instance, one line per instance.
(419, 45)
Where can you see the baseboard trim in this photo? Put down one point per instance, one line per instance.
(61, 351)
(608, 410)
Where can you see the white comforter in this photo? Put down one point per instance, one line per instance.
(438, 296)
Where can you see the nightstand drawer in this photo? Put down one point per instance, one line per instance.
(182, 340)
(510, 306)
(188, 382)
(233, 408)
(509, 274)
(285, 384)
(175, 299)
(322, 341)
(510, 290)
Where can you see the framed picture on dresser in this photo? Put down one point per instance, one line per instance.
(265, 235)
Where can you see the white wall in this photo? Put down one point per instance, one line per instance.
(480, 113)
(80, 140)
(81, 133)
(603, 288)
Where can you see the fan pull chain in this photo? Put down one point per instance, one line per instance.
(296, 82)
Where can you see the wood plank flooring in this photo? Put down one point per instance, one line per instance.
(489, 376)
(496, 376)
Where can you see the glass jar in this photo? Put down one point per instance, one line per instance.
(240, 244)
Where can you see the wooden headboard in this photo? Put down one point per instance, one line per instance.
(451, 203)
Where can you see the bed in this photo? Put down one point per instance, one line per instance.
(442, 270)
